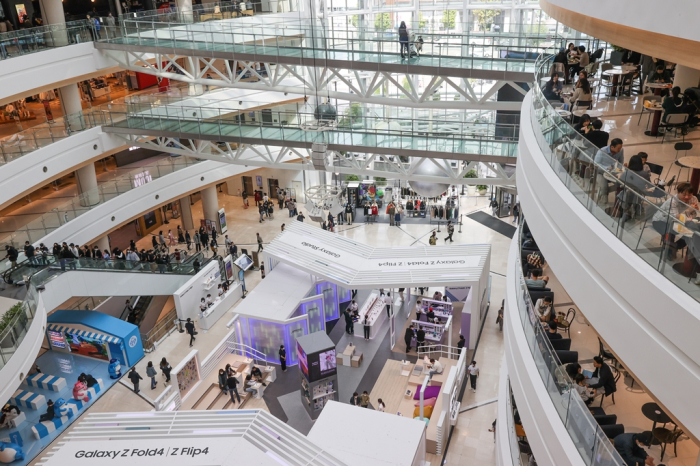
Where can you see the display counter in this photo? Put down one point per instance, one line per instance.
(433, 332)
(441, 309)
(220, 307)
(374, 308)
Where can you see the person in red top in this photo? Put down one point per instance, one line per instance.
(375, 211)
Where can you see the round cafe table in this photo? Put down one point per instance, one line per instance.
(658, 87)
(692, 162)
(615, 75)
(654, 413)
(656, 120)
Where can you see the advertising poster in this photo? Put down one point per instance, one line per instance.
(229, 269)
(21, 12)
(87, 346)
(303, 362)
(258, 179)
(327, 363)
(150, 219)
(57, 340)
(222, 221)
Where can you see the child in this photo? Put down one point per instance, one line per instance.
(582, 389)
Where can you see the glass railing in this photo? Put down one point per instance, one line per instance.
(16, 329)
(590, 440)
(642, 215)
(50, 221)
(39, 136)
(299, 40)
(38, 39)
(211, 12)
(267, 124)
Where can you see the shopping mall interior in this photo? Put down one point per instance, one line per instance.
(349, 232)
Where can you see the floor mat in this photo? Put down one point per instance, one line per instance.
(493, 223)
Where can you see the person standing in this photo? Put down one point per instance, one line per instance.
(516, 213)
(29, 252)
(197, 242)
(408, 337)
(355, 399)
(494, 206)
(348, 213)
(403, 40)
(364, 399)
(420, 339)
(283, 358)
(151, 372)
(391, 211)
(387, 302)
(189, 326)
(12, 254)
(165, 368)
(231, 382)
(473, 370)
(460, 344)
(366, 327)
(260, 242)
(188, 240)
(450, 231)
(135, 377)
(348, 322)
(204, 238)
(223, 381)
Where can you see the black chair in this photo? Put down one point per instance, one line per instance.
(538, 293)
(605, 354)
(613, 430)
(567, 321)
(596, 411)
(611, 395)
(606, 419)
(563, 344)
(566, 357)
(665, 436)
(681, 146)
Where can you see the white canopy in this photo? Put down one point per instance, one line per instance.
(355, 265)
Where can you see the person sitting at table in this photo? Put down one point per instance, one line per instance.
(552, 90)
(582, 94)
(609, 157)
(684, 202)
(585, 393)
(673, 103)
(631, 449)
(435, 368)
(645, 157)
(536, 280)
(606, 381)
(573, 369)
(583, 60)
(638, 181)
(430, 314)
(583, 74)
(596, 135)
(561, 63)
(572, 50)
(583, 122)
(249, 383)
(543, 308)
(552, 331)
(257, 375)
(661, 75)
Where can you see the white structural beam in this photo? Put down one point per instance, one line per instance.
(299, 79)
(360, 164)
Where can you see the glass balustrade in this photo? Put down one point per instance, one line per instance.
(269, 124)
(38, 39)
(640, 213)
(590, 440)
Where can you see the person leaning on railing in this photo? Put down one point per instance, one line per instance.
(684, 202)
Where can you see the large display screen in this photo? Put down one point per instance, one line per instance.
(327, 363)
(303, 362)
(150, 219)
(243, 262)
(87, 346)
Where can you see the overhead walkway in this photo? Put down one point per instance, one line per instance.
(303, 43)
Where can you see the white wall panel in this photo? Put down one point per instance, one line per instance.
(649, 322)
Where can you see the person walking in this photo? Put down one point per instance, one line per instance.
(135, 377)
(151, 372)
(260, 242)
(165, 368)
(380, 405)
(189, 326)
(403, 40)
(188, 240)
(387, 302)
(197, 242)
(420, 338)
(349, 213)
(516, 213)
(391, 211)
(473, 370)
(433, 239)
(283, 358)
(450, 231)
(366, 327)
(12, 254)
(29, 252)
(408, 337)
(364, 399)
(494, 206)
(349, 329)
(231, 383)
(261, 211)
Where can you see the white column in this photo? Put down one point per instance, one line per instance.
(86, 179)
(71, 104)
(210, 204)
(52, 13)
(184, 9)
(186, 213)
(686, 77)
(102, 243)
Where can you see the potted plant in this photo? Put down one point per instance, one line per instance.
(352, 178)
(379, 181)
(471, 174)
(482, 188)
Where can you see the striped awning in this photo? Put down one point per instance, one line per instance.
(83, 333)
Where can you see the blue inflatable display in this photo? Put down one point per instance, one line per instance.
(115, 369)
(10, 452)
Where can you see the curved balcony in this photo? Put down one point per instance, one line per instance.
(614, 266)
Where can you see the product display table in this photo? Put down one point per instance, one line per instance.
(374, 308)
(220, 307)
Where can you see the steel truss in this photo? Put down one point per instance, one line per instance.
(288, 158)
(300, 79)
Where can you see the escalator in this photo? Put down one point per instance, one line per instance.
(137, 312)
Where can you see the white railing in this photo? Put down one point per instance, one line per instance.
(440, 351)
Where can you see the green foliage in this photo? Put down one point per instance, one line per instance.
(484, 18)
(382, 21)
(352, 115)
(471, 174)
(481, 187)
(617, 48)
(355, 20)
(421, 21)
(449, 19)
(352, 178)
(10, 316)
(379, 181)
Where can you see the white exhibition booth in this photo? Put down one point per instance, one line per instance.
(463, 270)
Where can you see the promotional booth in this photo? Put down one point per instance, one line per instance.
(94, 335)
(318, 370)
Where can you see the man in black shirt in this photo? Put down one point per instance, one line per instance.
(12, 254)
(606, 381)
(189, 326)
(552, 333)
(420, 338)
(408, 337)
(597, 136)
(29, 252)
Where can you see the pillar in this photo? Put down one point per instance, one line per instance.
(184, 10)
(210, 204)
(72, 105)
(102, 243)
(186, 213)
(86, 179)
(686, 77)
(52, 13)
